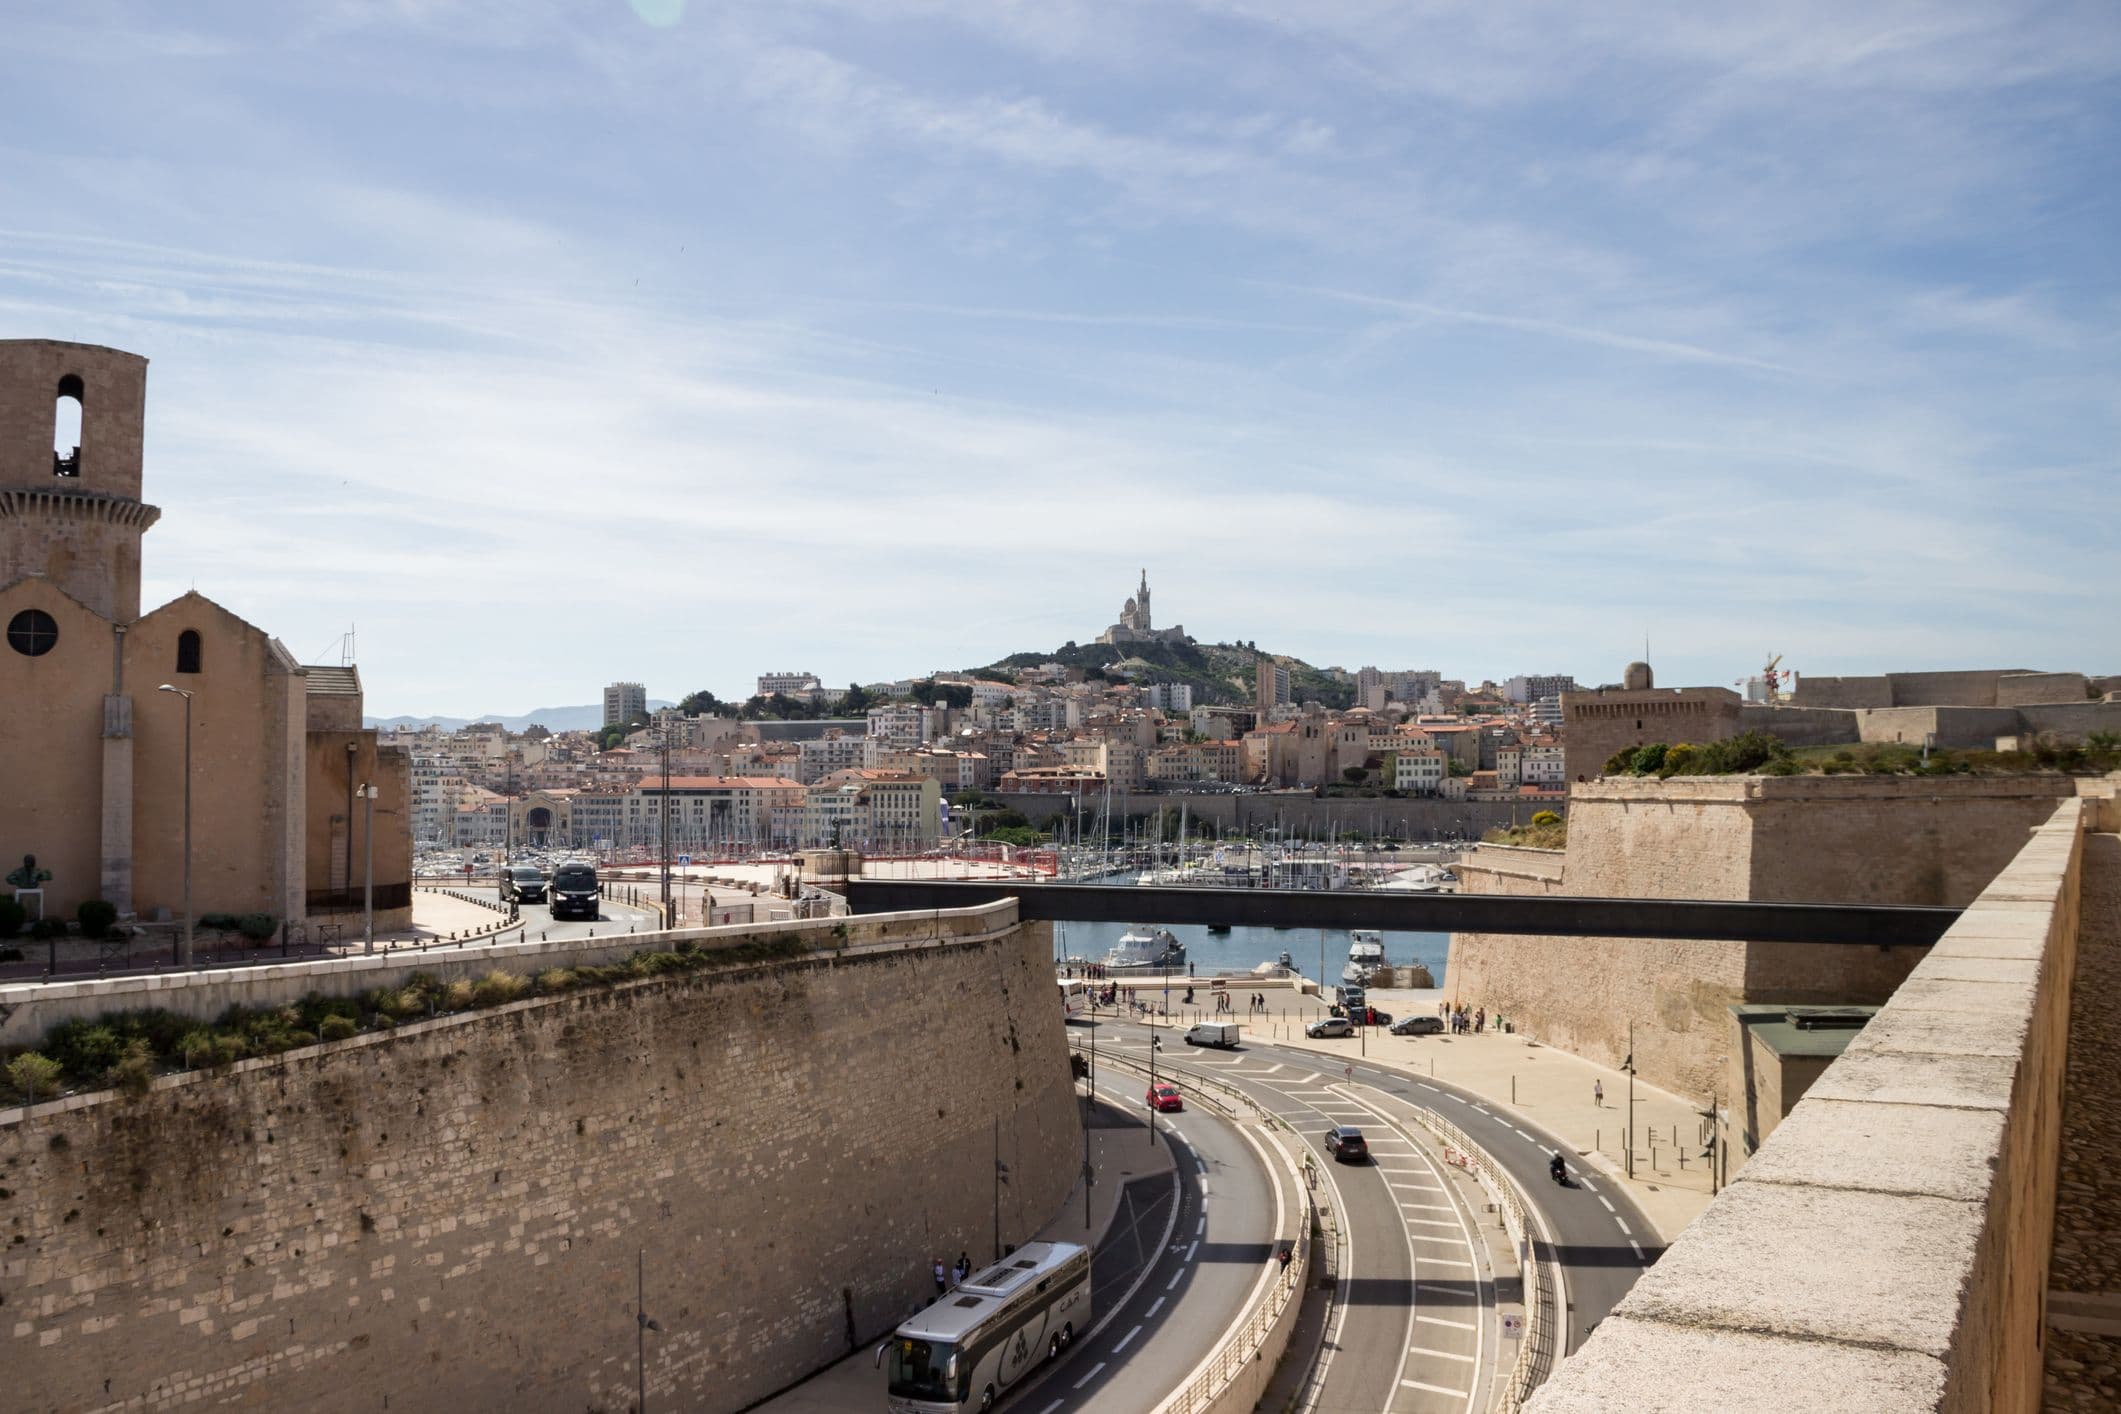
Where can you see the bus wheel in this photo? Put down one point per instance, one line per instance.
(986, 1397)
(1067, 1335)
(1053, 1347)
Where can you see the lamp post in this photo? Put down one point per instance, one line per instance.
(184, 945)
(368, 793)
(1156, 1043)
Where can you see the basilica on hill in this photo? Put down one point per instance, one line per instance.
(1134, 625)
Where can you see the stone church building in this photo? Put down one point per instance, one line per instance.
(94, 751)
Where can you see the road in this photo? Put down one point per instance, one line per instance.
(612, 918)
(1198, 1282)
(1413, 1331)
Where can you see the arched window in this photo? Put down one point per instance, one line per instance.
(188, 651)
(66, 428)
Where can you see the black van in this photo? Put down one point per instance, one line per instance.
(573, 890)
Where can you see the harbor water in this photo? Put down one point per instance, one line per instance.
(1242, 949)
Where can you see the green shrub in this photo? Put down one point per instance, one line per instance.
(84, 1049)
(1649, 759)
(497, 987)
(338, 1028)
(95, 916)
(12, 916)
(557, 979)
(45, 928)
(459, 995)
(218, 922)
(257, 926)
(134, 1072)
(33, 1076)
(1678, 759)
(1546, 817)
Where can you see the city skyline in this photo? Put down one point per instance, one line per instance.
(654, 332)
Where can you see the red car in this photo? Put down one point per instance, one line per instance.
(1165, 1097)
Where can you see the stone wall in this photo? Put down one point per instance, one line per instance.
(1887, 1249)
(449, 1215)
(1856, 839)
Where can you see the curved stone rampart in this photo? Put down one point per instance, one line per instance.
(448, 1215)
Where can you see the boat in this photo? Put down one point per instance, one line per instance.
(1142, 948)
(1220, 930)
(1423, 879)
(1366, 953)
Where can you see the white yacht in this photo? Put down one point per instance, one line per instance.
(1366, 953)
(1141, 948)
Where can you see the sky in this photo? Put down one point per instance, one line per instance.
(550, 343)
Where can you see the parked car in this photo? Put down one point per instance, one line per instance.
(1164, 1097)
(522, 883)
(1418, 1026)
(1330, 1026)
(1347, 1145)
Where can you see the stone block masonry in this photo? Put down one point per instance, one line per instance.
(448, 1215)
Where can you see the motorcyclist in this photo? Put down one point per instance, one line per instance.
(1558, 1169)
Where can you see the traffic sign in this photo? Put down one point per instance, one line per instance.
(1512, 1327)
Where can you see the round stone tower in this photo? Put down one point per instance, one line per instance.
(70, 455)
(1637, 677)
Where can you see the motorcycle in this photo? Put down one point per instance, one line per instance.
(1558, 1171)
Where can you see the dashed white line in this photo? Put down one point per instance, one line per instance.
(1623, 1223)
(1200, 1226)
(1202, 1162)
(1431, 1222)
(1090, 1374)
(1427, 1086)
(1176, 1277)
(1638, 1248)
(1445, 1262)
(1195, 1247)
(1436, 1286)
(1434, 1389)
(1456, 1244)
(1154, 1307)
(1053, 1406)
(1607, 1201)
(1430, 1208)
(1524, 1136)
(1125, 1339)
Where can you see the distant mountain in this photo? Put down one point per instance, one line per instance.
(553, 719)
(1218, 672)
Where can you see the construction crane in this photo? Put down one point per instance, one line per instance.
(1770, 679)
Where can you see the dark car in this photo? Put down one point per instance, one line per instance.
(574, 890)
(1418, 1026)
(522, 883)
(1347, 1145)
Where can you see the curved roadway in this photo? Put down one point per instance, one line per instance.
(1412, 1329)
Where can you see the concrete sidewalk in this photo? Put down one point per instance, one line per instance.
(1119, 1154)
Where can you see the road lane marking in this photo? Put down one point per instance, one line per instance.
(1434, 1389)
(1456, 1243)
(1440, 1321)
(1436, 1286)
(1440, 1354)
(1053, 1406)
(1638, 1250)
(1623, 1223)
(1201, 1226)
(1430, 1208)
(1607, 1201)
(1446, 1262)
(1427, 1086)
(1431, 1222)
(1154, 1307)
(1123, 1340)
(1202, 1162)
(1195, 1247)
(1176, 1277)
(1090, 1375)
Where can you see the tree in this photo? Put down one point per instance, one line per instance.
(856, 701)
(1353, 775)
(704, 704)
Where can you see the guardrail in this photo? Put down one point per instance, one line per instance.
(1535, 1355)
(1240, 1349)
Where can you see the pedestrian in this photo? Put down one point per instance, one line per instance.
(1598, 1093)
(942, 1283)
(1480, 1019)
(964, 1268)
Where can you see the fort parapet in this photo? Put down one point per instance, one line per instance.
(448, 1214)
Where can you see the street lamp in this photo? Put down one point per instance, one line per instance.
(1156, 1044)
(184, 946)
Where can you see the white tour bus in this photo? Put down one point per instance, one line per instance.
(1075, 998)
(977, 1340)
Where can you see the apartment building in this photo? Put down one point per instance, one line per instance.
(623, 702)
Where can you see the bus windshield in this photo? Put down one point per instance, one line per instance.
(921, 1370)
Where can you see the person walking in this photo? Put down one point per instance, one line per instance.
(1598, 1093)
(942, 1278)
(964, 1268)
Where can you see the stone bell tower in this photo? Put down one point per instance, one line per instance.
(70, 456)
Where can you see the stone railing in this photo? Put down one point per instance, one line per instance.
(1887, 1248)
(28, 1010)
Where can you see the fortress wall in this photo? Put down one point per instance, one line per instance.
(2072, 721)
(1976, 727)
(1801, 726)
(1888, 1247)
(1976, 688)
(1841, 692)
(2026, 689)
(1797, 838)
(448, 1215)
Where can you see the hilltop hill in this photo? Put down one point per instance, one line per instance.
(1219, 673)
